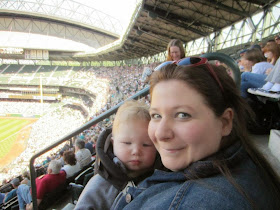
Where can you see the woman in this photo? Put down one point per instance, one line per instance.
(175, 50)
(254, 60)
(71, 166)
(198, 126)
(271, 52)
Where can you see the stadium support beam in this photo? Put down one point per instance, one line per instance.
(222, 7)
(173, 18)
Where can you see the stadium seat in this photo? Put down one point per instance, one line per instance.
(80, 178)
(52, 197)
(12, 204)
(80, 182)
(6, 188)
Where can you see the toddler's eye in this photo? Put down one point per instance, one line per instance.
(126, 142)
(147, 145)
(183, 115)
(155, 116)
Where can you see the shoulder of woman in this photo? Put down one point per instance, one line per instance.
(220, 195)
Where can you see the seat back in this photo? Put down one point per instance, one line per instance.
(80, 178)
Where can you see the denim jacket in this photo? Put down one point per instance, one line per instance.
(202, 186)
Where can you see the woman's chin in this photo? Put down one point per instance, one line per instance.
(174, 167)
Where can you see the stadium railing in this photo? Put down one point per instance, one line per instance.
(210, 56)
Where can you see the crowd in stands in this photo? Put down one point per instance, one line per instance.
(28, 108)
(123, 84)
(57, 170)
(260, 69)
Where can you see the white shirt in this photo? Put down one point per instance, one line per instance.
(261, 67)
(71, 170)
(83, 156)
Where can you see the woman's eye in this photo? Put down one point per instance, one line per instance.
(155, 116)
(183, 115)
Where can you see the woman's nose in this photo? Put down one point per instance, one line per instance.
(164, 131)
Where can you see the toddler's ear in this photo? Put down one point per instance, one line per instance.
(112, 139)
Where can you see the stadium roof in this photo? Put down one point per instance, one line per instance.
(158, 21)
(152, 25)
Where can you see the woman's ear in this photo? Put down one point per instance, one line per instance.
(112, 139)
(227, 120)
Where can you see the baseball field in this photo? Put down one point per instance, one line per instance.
(14, 133)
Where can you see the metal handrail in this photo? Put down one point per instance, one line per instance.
(228, 61)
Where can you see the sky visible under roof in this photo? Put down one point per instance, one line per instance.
(120, 9)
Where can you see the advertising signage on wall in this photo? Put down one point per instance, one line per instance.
(11, 50)
(36, 54)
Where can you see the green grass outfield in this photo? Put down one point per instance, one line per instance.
(9, 129)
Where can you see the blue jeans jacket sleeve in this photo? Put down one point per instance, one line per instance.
(24, 195)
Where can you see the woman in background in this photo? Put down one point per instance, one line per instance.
(71, 166)
(175, 50)
(271, 52)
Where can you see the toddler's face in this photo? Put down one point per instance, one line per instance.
(133, 146)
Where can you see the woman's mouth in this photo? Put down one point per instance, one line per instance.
(173, 150)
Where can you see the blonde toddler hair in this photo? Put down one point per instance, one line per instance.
(131, 110)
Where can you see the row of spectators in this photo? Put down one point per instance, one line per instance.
(123, 84)
(260, 66)
(27, 108)
(60, 169)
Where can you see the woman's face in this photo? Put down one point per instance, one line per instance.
(183, 128)
(175, 53)
(268, 55)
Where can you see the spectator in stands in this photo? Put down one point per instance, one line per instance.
(240, 60)
(6, 187)
(199, 129)
(15, 183)
(271, 52)
(71, 166)
(61, 158)
(26, 178)
(262, 83)
(89, 145)
(4, 181)
(133, 158)
(45, 183)
(260, 70)
(175, 50)
(2, 196)
(83, 155)
(277, 39)
(273, 79)
(24, 196)
(254, 60)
